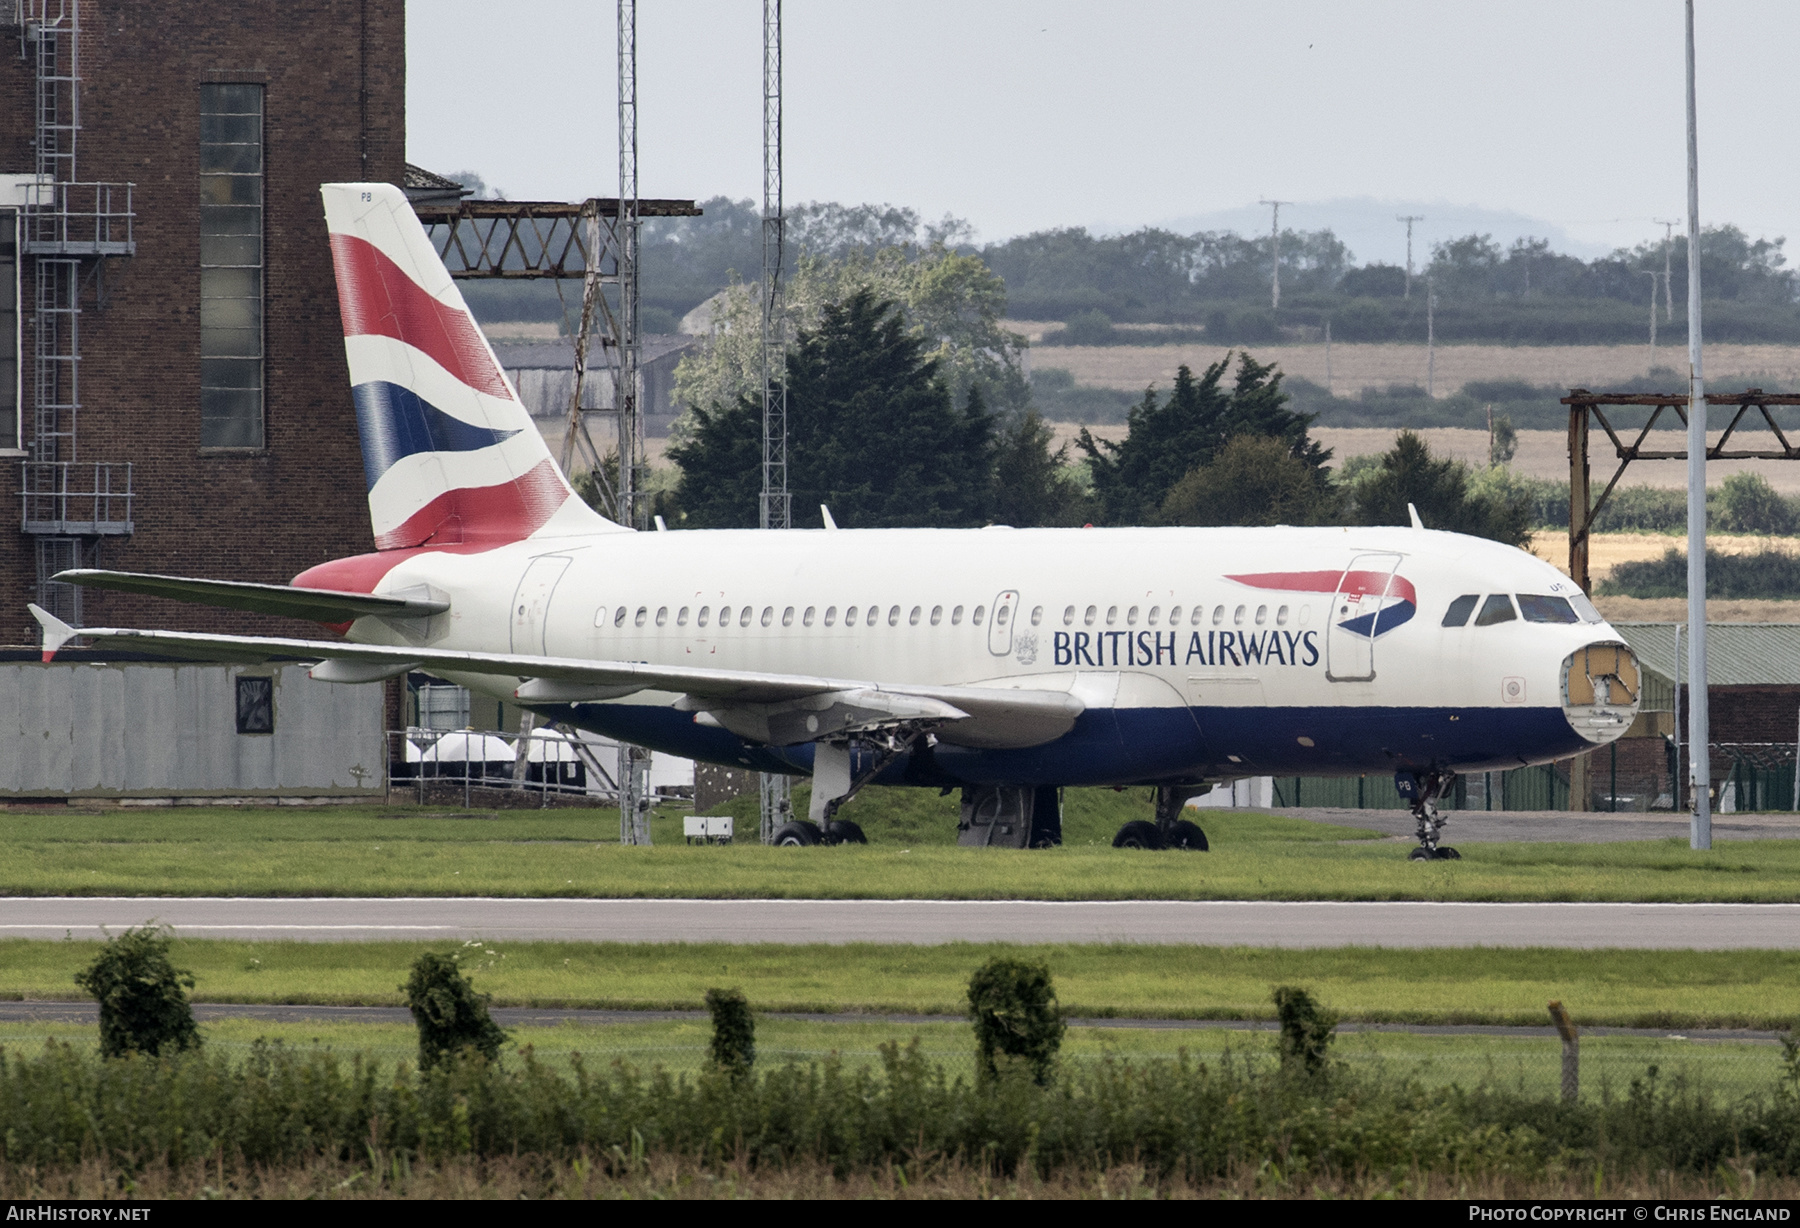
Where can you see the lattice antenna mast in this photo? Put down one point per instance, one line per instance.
(774, 507)
(625, 374)
(634, 762)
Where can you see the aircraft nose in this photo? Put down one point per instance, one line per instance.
(1601, 689)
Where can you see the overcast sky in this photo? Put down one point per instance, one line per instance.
(1024, 116)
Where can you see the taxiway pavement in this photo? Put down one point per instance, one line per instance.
(1222, 923)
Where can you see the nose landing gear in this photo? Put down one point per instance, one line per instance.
(1423, 792)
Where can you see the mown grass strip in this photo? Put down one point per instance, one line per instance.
(398, 852)
(1673, 989)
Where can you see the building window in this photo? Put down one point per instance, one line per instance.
(231, 266)
(9, 329)
(255, 705)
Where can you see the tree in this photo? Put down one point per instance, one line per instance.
(1167, 439)
(1034, 486)
(450, 1015)
(1442, 492)
(872, 431)
(1255, 479)
(951, 301)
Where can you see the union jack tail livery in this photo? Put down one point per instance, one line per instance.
(449, 452)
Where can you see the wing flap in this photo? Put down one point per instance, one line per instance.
(986, 717)
(313, 604)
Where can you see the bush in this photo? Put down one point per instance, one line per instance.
(1014, 1008)
(143, 997)
(1088, 328)
(1746, 503)
(1769, 575)
(1307, 1029)
(451, 1016)
(734, 1032)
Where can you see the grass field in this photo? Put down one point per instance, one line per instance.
(1530, 1064)
(347, 851)
(1682, 989)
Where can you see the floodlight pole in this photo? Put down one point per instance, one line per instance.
(1699, 739)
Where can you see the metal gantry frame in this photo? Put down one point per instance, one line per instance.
(774, 504)
(1586, 408)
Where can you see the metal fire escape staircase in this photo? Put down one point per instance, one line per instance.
(68, 230)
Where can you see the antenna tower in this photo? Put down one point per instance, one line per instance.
(634, 762)
(774, 506)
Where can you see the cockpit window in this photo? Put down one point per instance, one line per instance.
(1498, 608)
(1542, 608)
(1460, 609)
(1586, 609)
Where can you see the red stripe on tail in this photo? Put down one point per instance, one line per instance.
(376, 297)
(492, 515)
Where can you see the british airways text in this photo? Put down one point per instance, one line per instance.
(1104, 648)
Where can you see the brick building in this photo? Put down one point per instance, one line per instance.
(159, 167)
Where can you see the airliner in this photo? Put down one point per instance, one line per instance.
(1004, 663)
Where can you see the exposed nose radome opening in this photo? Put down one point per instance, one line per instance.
(1601, 689)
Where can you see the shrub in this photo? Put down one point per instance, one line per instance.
(1770, 575)
(143, 997)
(1014, 1008)
(1307, 1029)
(734, 1031)
(1746, 503)
(450, 1014)
(1088, 328)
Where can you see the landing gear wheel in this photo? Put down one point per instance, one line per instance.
(796, 835)
(1186, 835)
(1138, 834)
(843, 831)
(1422, 854)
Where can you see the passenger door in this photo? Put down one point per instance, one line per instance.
(531, 603)
(1362, 593)
(1000, 632)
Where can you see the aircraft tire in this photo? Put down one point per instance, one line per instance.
(1138, 834)
(1186, 835)
(795, 835)
(843, 831)
(1422, 854)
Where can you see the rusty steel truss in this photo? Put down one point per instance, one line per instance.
(523, 240)
(1586, 407)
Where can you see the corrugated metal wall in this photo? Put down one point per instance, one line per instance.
(171, 730)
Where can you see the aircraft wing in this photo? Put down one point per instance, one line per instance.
(782, 709)
(315, 604)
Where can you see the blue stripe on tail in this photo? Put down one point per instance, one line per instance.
(396, 422)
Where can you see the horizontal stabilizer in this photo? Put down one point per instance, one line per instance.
(318, 605)
(991, 717)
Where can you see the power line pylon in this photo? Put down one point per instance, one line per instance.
(1409, 219)
(1275, 244)
(774, 506)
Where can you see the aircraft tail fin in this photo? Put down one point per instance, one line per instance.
(449, 451)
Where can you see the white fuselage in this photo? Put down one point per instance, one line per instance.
(1186, 672)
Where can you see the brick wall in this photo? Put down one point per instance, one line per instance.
(335, 76)
(1750, 713)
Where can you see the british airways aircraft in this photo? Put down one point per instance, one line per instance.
(1006, 663)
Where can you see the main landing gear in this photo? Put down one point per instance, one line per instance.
(1423, 792)
(1170, 831)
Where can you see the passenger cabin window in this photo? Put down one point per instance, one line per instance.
(662, 616)
(912, 620)
(873, 616)
(787, 617)
(1174, 616)
(956, 617)
(744, 617)
(619, 618)
(1155, 610)
(1131, 617)
(893, 616)
(724, 616)
(1112, 615)
(1088, 618)
(807, 618)
(976, 617)
(1237, 617)
(1037, 615)
(1262, 615)
(850, 613)
(768, 615)
(642, 614)
(1281, 616)
(937, 615)
(1218, 615)
(1543, 608)
(1498, 608)
(1460, 609)
(681, 618)
(705, 613)
(830, 615)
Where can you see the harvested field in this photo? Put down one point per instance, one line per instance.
(1354, 367)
